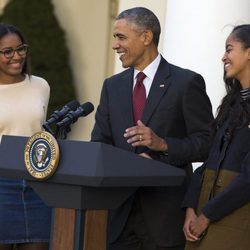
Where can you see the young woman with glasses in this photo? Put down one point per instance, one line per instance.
(24, 218)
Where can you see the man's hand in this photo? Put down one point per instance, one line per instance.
(145, 155)
(141, 135)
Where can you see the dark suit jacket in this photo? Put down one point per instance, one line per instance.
(177, 109)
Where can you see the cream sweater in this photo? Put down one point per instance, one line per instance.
(23, 106)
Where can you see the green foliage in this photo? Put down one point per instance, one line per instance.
(47, 47)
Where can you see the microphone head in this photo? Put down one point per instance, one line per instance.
(57, 115)
(72, 116)
(87, 107)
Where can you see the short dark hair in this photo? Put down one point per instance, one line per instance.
(6, 29)
(144, 18)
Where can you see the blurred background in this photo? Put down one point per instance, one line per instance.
(70, 43)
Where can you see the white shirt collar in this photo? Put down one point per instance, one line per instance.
(150, 72)
(151, 69)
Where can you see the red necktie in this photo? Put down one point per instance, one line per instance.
(139, 96)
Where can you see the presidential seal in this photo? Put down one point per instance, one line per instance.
(41, 155)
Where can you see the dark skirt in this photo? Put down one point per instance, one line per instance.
(24, 217)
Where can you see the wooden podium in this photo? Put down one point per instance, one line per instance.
(90, 179)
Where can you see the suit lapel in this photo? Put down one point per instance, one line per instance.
(125, 98)
(158, 88)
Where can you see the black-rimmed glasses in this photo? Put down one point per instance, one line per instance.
(9, 52)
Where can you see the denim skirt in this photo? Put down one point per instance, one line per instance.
(24, 217)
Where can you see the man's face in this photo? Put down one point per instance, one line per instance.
(129, 43)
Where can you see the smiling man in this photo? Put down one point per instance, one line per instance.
(159, 111)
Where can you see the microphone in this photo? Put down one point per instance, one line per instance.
(72, 116)
(59, 114)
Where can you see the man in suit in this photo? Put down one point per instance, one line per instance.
(173, 128)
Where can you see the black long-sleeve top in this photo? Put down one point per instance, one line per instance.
(234, 156)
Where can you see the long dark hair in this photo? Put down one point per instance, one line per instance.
(6, 29)
(232, 104)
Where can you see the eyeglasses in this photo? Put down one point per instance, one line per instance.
(9, 52)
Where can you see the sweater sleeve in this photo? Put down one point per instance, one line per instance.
(192, 196)
(234, 196)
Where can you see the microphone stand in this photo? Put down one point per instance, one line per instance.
(61, 132)
(48, 129)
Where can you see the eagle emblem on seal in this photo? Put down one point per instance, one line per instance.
(40, 156)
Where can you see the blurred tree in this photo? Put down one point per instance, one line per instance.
(47, 46)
